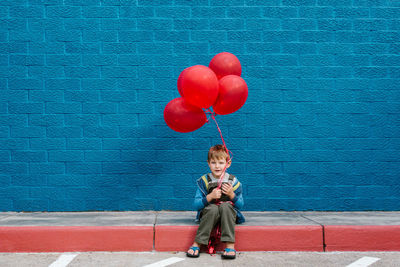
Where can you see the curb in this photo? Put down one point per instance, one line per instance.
(248, 238)
(76, 238)
(179, 238)
(362, 237)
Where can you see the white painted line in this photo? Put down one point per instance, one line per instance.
(63, 260)
(363, 262)
(166, 262)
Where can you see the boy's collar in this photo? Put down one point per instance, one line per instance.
(225, 176)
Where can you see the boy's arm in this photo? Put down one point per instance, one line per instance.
(238, 198)
(200, 200)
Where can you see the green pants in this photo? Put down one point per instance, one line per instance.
(211, 215)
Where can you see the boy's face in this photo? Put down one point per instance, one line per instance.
(217, 166)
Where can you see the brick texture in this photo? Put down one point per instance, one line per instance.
(83, 85)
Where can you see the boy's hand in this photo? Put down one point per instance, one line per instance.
(215, 194)
(227, 189)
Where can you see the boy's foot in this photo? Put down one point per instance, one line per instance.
(229, 253)
(193, 252)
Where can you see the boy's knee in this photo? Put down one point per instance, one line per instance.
(226, 206)
(212, 208)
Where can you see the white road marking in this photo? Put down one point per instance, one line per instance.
(166, 262)
(363, 262)
(63, 260)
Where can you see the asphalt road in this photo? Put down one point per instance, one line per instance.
(285, 259)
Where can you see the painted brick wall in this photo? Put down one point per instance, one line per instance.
(83, 85)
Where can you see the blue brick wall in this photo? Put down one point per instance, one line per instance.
(83, 85)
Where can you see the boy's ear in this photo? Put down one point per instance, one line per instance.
(228, 164)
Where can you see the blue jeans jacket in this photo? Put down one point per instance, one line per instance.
(200, 199)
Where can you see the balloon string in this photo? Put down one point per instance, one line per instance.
(226, 149)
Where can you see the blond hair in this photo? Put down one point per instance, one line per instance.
(218, 152)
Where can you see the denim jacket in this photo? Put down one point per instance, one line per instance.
(200, 200)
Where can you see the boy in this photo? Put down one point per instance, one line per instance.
(215, 204)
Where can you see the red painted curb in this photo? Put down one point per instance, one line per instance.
(362, 237)
(248, 238)
(174, 238)
(179, 238)
(279, 238)
(76, 238)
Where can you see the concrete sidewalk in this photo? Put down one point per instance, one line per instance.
(175, 231)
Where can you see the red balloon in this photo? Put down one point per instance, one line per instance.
(179, 83)
(183, 117)
(225, 64)
(233, 94)
(199, 86)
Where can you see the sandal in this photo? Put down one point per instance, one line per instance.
(193, 255)
(226, 256)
